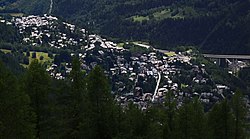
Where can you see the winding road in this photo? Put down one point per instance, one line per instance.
(157, 86)
(50, 7)
(159, 74)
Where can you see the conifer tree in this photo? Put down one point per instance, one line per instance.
(135, 124)
(220, 121)
(190, 120)
(76, 97)
(156, 118)
(239, 111)
(198, 120)
(99, 114)
(37, 85)
(169, 124)
(183, 121)
(16, 115)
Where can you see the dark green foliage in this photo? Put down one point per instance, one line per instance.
(8, 33)
(244, 74)
(26, 60)
(11, 63)
(99, 111)
(27, 53)
(16, 116)
(191, 121)
(239, 111)
(155, 120)
(33, 6)
(50, 55)
(76, 95)
(63, 56)
(170, 126)
(216, 26)
(221, 121)
(37, 83)
(41, 58)
(82, 106)
(135, 124)
(34, 55)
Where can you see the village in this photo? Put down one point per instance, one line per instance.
(143, 78)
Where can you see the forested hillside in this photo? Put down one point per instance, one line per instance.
(24, 6)
(33, 105)
(90, 69)
(213, 26)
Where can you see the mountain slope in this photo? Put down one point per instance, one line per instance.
(213, 26)
(24, 6)
(216, 27)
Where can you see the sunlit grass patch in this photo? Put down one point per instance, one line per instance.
(138, 18)
(5, 51)
(170, 54)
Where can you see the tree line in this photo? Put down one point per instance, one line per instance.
(219, 27)
(34, 105)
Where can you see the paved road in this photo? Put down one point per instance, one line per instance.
(246, 57)
(159, 74)
(142, 45)
(149, 46)
(157, 86)
(50, 6)
(162, 51)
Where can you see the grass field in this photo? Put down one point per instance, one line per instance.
(140, 18)
(120, 45)
(5, 51)
(162, 14)
(25, 66)
(17, 14)
(170, 54)
(46, 58)
(184, 86)
(12, 14)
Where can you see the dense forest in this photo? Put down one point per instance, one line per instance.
(33, 105)
(215, 27)
(212, 26)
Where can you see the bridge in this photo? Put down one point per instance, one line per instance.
(227, 61)
(241, 57)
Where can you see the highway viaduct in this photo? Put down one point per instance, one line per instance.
(225, 60)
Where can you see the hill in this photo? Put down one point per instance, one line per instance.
(134, 68)
(24, 6)
(60, 80)
(213, 26)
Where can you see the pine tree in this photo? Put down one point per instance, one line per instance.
(16, 116)
(76, 98)
(37, 85)
(190, 120)
(183, 121)
(155, 120)
(99, 114)
(169, 124)
(220, 121)
(135, 124)
(198, 120)
(239, 111)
